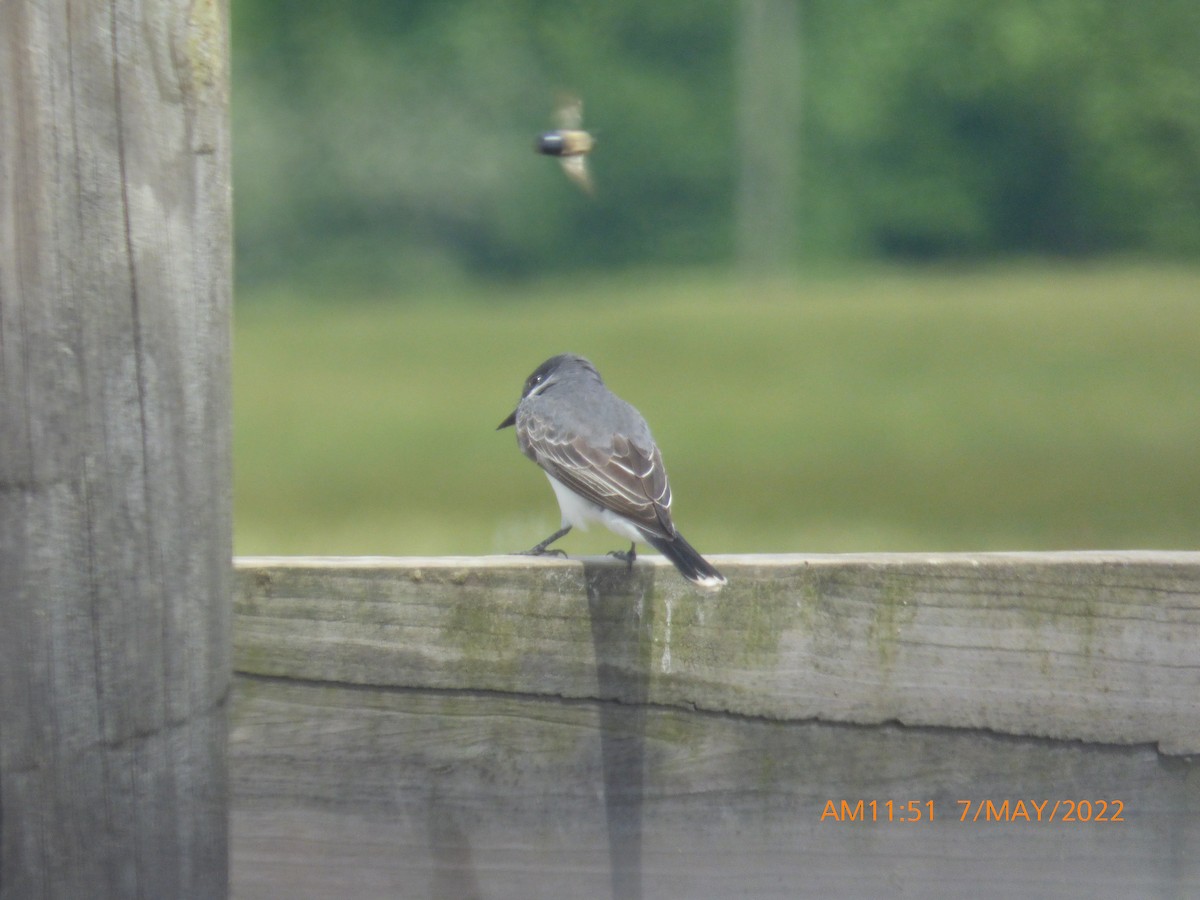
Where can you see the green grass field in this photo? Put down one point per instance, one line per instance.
(1010, 408)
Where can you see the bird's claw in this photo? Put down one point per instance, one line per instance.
(625, 556)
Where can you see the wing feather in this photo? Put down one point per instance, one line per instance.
(623, 477)
(577, 170)
(569, 112)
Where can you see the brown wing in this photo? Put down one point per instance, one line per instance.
(625, 478)
(577, 170)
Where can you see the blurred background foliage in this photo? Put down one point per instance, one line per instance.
(389, 141)
(882, 276)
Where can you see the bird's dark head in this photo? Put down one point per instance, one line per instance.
(551, 144)
(555, 369)
(549, 373)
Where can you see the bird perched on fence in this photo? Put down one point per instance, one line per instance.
(602, 462)
(569, 142)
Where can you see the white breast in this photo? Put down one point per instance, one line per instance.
(578, 512)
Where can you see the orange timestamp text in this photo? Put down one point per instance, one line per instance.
(1029, 811)
(878, 811)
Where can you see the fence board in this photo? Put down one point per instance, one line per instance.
(1099, 647)
(544, 728)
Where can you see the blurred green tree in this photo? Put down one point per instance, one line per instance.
(945, 129)
(390, 143)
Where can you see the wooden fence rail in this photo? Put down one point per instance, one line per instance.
(503, 726)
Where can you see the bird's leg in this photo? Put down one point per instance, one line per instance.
(626, 556)
(540, 549)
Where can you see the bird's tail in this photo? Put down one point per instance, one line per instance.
(691, 565)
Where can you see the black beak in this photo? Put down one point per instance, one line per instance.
(509, 422)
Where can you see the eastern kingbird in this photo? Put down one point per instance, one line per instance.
(602, 462)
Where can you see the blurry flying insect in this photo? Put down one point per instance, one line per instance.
(570, 143)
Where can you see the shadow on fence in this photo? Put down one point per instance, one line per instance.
(993, 726)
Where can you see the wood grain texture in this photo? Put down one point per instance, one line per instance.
(508, 727)
(1099, 647)
(365, 793)
(115, 537)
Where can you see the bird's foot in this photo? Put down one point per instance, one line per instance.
(626, 556)
(540, 549)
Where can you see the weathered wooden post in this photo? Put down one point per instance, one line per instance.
(114, 448)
